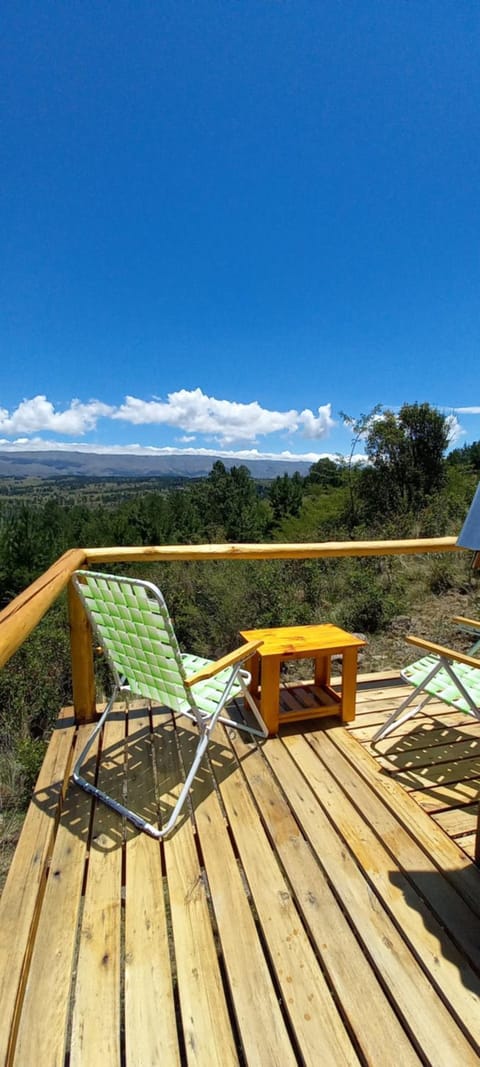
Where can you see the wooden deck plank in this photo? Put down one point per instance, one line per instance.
(369, 700)
(348, 888)
(446, 967)
(263, 1033)
(411, 754)
(423, 1011)
(45, 1010)
(207, 1029)
(435, 843)
(438, 797)
(319, 1029)
(430, 775)
(23, 891)
(373, 712)
(96, 1013)
(410, 861)
(381, 1038)
(469, 842)
(148, 973)
(458, 821)
(419, 732)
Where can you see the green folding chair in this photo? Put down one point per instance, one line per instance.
(444, 674)
(133, 626)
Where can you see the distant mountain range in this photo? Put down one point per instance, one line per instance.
(102, 465)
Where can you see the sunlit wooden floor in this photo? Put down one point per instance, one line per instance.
(435, 757)
(308, 909)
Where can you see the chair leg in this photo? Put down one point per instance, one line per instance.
(263, 732)
(200, 752)
(86, 749)
(397, 718)
(121, 809)
(474, 709)
(247, 696)
(205, 726)
(99, 794)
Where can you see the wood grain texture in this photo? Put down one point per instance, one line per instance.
(311, 550)
(306, 909)
(24, 613)
(22, 897)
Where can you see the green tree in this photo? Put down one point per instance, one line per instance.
(325, 473)
(407, 456)
(467, 457)
(285, 495)
(230, 505)
(360, 428)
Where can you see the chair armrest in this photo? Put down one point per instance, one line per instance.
(237, 656)
(445, 653)
(460, 621)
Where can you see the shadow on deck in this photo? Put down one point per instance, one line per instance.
(307, 909)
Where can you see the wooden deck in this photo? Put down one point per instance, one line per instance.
(312, 909)
(435, 757)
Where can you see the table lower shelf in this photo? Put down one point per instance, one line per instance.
(305, 701)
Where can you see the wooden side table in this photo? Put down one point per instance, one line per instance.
(319, 643)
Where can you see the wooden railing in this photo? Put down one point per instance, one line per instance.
(24, 613)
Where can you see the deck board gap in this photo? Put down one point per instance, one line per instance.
(300, 919)
(397, 924)
(173, 961)
(336, 837)
(402, 871)
(356, 928)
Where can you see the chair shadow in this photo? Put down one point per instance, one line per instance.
(419, 887)
(145, 771)
(416, 763)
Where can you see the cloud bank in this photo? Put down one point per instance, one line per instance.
(37, 414)
(189, 411)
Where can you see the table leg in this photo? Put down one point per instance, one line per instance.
(253, 665)
(322, 669)
(349, 684)
(270, 692)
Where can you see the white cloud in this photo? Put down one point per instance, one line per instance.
(38, 413)
(317, 425)
(455, 430)
(194, 412)
(190, 411)
(467, 411)
(227, 420)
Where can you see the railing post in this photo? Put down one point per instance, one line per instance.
(83, 677)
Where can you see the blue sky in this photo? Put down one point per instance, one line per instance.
(223, 223)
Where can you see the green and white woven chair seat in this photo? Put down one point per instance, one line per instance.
(207, 694)
(443, 686)
(132, 623)
(444, 674)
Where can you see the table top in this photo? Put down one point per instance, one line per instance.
(302, 640)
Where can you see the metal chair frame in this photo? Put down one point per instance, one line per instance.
(131, 622)
(459, 688)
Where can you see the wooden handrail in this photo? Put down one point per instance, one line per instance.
(21, 616)
(308, 550)
(24, 613)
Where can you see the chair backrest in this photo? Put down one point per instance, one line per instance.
(132, 623)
